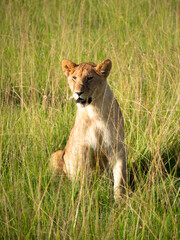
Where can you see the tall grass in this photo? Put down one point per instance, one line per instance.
(142, 40)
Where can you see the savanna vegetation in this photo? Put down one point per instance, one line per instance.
(142, 38)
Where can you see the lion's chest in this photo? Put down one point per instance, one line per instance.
(96, 132)
(97, 135)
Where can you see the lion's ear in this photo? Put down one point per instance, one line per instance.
(67, 66)
(105, 67)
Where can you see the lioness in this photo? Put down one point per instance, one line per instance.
(97, 137)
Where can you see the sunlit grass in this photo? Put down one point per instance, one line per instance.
(142, 40)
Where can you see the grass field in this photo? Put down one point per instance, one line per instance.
(142, 38)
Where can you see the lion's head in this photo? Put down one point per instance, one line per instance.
(86, 80)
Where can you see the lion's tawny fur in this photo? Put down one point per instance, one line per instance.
(97, 137)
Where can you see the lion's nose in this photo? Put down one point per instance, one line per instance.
(79, 93)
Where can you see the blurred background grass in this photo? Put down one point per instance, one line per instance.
(142, 40)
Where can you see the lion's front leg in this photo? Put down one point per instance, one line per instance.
(76, 160)
(119, 173)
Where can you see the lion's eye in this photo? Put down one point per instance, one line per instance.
(74, 79)
(89, 78)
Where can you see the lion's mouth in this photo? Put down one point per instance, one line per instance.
(84, 101)
(81, 100)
